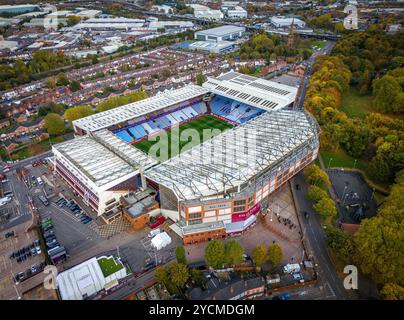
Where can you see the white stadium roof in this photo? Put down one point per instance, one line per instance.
(103, 158)
(237, 155)
(256, 92)
(127, 112)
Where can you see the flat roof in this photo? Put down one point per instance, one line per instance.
(127, 112)
(97, 162)
(221, 31)
(237, 155)
(260, 93)
(80, 281)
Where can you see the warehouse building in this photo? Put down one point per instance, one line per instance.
(223, 33)
(286, 22)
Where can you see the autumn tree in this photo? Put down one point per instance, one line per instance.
(259, 255)
(178, 274)
(233, 252)
(392, 291)
(54, 124)
(275, 254)
(325, 207)
(78, 112)
(215, 254)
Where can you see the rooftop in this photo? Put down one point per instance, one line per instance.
(223, 30)
(240, 154)
(98, 163)
(260, 93)
(127, 112)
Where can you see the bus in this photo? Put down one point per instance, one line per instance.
(44, 201)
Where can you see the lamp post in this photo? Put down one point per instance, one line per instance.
(343, 195)
(354, 166)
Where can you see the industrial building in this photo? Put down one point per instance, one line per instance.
(286, 22)
(234, 12)
(204, 12)
(212, 47)
(20, 8)
(223, 33)
(212, 190)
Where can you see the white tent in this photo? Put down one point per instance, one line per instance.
(161, 240)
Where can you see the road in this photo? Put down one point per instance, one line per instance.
(313, 232)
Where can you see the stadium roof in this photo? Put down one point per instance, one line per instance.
(103, 158)
(234, 157)
(260, 93)
(127, 112)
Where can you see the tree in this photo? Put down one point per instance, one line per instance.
(275, 254)
(215, 254)
(61, 79)
(200, 79)
(315, 176)
(392, 291)
(35, 149)
(75, 85)
(196, 277)
(326, 208)
(51, 83)
(72, 20)
(161, 275)
(233, 252)
(379, 240)
(315, 194)
(180, 255)
(178, 274)
(259, 255)
(341, 243)
(387, 92)
(54, 124)
(78, 112)
(118, 101)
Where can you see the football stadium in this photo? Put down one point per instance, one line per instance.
(209, 155)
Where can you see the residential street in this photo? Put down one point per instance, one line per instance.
(314, 233)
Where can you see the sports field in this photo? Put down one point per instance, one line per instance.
(173, 140)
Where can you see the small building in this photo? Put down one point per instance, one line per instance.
(234, 12)
(223, 33)
(139, 207)
(204, 12)
(90, 277)
(236, 288)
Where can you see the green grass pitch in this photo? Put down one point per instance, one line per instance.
(205, 122)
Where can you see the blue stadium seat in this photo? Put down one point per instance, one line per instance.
(124, 135)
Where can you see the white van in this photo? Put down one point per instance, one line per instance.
(154, 233)
(39, 180)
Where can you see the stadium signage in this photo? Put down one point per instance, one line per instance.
(241, 216)
(217, 206)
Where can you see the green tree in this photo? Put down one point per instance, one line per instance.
(75, 85)
(392, 291)
(315, 176)
(54, 124)
(196, 277)
(215, 254)
(259, 255)
(233, 252)
(387, 92)
(315, 194)
(178, 274)
(200, 79)
(78, 112)
(61, 79)
(341, 243)
(118, 101)
(275, 254)
(181, 255)
(326, 208)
